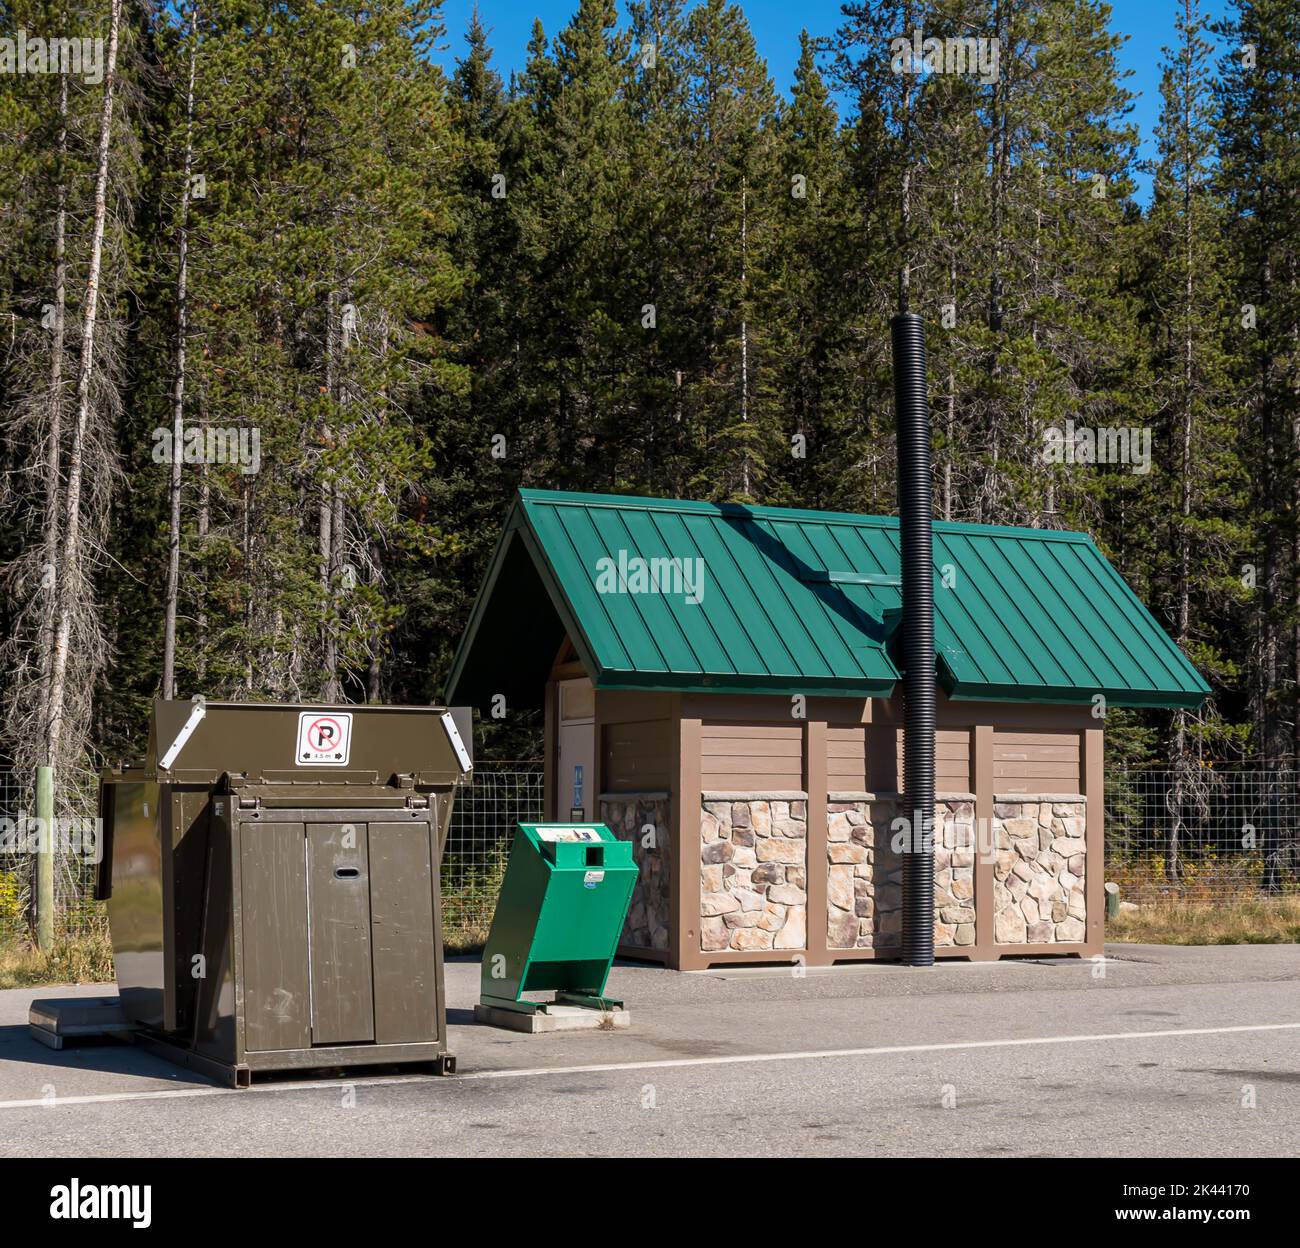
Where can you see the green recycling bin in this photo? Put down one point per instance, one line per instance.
(558, 919)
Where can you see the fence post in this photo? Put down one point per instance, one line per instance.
(45, 859)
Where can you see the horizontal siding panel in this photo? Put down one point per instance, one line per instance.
(1040, 754)
(951, 760)
(718, 730)
(1020, 768)
(751, 782)
(1036, 762)
(637, 757)
(751, 757)
(750, 747)
(1008, 740)
(846, 758)
(848, 776)
(856, 751)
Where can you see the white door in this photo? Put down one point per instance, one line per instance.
(577, 751)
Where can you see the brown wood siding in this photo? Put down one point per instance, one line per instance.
(846, 759)
(636, 757)
(1036, 762)
(1005, 716)
(951, 760)
(751, 758)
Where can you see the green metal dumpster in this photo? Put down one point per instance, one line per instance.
(558, 919)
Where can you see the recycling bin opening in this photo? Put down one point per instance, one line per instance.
(562, 906)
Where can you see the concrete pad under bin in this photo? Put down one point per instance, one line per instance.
(58, 1019)
(556, 1018)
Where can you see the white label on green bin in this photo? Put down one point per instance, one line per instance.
(592, 878)
(567, 834)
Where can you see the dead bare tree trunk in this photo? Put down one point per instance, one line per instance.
(54, 433)
(178, 389)
(377, 636)
(744, 327)
(201, 614)
(329, 511)
(70, 576)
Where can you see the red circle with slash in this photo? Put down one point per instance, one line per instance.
(321, 739)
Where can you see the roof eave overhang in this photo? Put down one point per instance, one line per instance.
(1144, 698)
(699, 682)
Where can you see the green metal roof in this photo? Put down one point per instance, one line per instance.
(803, 602)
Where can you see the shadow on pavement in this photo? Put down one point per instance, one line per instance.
(105, 1055)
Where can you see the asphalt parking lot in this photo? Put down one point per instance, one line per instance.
(1155, 1052)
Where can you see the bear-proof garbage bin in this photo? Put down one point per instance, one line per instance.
(272, 878)
(562, 906)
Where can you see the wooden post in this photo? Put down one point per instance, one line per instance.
(984, 948)
(1093, 773)
(814, 783)
(684, 946)
(551, 751)
(45, 859)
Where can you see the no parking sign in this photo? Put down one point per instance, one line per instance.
(324, 738)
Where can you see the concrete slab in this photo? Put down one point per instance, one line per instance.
(556, 1018)
(79, 1016)
(55, 1020)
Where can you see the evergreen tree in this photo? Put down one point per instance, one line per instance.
(1259, 93)
(1199, 484)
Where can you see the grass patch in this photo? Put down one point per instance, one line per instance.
(1240, 921)
(77, 958)
(470, 889)
(465, 938)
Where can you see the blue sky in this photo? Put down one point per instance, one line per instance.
(1149, 25)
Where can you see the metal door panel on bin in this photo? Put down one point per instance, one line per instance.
(273, 883)
(401, 925)
(338, 893)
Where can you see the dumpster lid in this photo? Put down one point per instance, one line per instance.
(197, 742)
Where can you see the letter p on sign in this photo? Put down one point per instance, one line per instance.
(324, 738)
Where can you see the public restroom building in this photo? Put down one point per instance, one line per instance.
(721, 685)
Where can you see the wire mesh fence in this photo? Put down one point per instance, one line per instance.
(1211, 834)
(486, 810)
(15, 869)
(483, 819)
(1208, 833)
(77, 844)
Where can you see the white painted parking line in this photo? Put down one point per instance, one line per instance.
(174, 1094)
(731, 1059)
(879, 1051)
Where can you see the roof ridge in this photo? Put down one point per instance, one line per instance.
(765, 511)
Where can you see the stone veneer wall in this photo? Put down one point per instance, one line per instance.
(649, 913)
(1038, 890)
(864, 875)
(753, 874)
(864, 879)
(954, 873)
(1038, 875)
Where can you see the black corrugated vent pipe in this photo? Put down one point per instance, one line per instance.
(915, 503)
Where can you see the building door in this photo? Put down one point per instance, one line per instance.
(577, 751)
